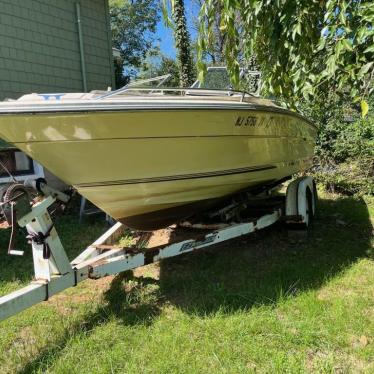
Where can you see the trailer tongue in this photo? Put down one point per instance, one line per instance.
(54, 273)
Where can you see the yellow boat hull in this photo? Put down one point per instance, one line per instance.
(150, 168)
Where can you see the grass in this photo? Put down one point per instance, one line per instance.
(257, 304)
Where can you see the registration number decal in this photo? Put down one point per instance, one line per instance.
(246, 121)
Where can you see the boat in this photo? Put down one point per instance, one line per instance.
(152, 156)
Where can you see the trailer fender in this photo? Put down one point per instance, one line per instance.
(301, 201)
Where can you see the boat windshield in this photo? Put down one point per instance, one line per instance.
(155, 82)
(216, 82)
(215, 79)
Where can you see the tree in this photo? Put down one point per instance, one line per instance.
(169, 66)
(300, 45)
(214, 51)
(182, 43)
(159, 64)
(133, 24)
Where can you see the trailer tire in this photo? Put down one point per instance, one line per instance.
(315, 197)
(310, 208)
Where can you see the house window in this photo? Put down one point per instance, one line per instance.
(16, 162)
(19, 165)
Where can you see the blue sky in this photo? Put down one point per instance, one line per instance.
(166, 35)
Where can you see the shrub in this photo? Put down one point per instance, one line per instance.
(339, 141)
(345, 155)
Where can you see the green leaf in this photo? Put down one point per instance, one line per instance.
(338, 47)
(364, 69)
(296, 30)
(202, 68)
(331, 65)
(165, 14)
(321, 44)
(364, 108)
(347, 44)
(369, 49)
(362, 33)
(342, 17)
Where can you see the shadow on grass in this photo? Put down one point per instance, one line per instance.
(130, 307)
(255, 270)
(261, 268)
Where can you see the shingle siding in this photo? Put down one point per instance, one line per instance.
(39, 46)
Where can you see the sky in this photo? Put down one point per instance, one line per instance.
(165, 34)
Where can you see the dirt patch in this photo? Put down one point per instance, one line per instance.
(149, 271)
(171, 234)
(26, 344)
(101, 284)
(159, 237)
(360, 342)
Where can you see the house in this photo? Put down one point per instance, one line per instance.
(52, 46)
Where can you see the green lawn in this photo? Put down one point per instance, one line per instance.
(262, 303)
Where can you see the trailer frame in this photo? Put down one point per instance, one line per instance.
(54, 273)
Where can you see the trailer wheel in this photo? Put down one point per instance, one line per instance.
(315, 197)
(310, 208)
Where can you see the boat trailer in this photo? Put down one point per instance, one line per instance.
(55, 273)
